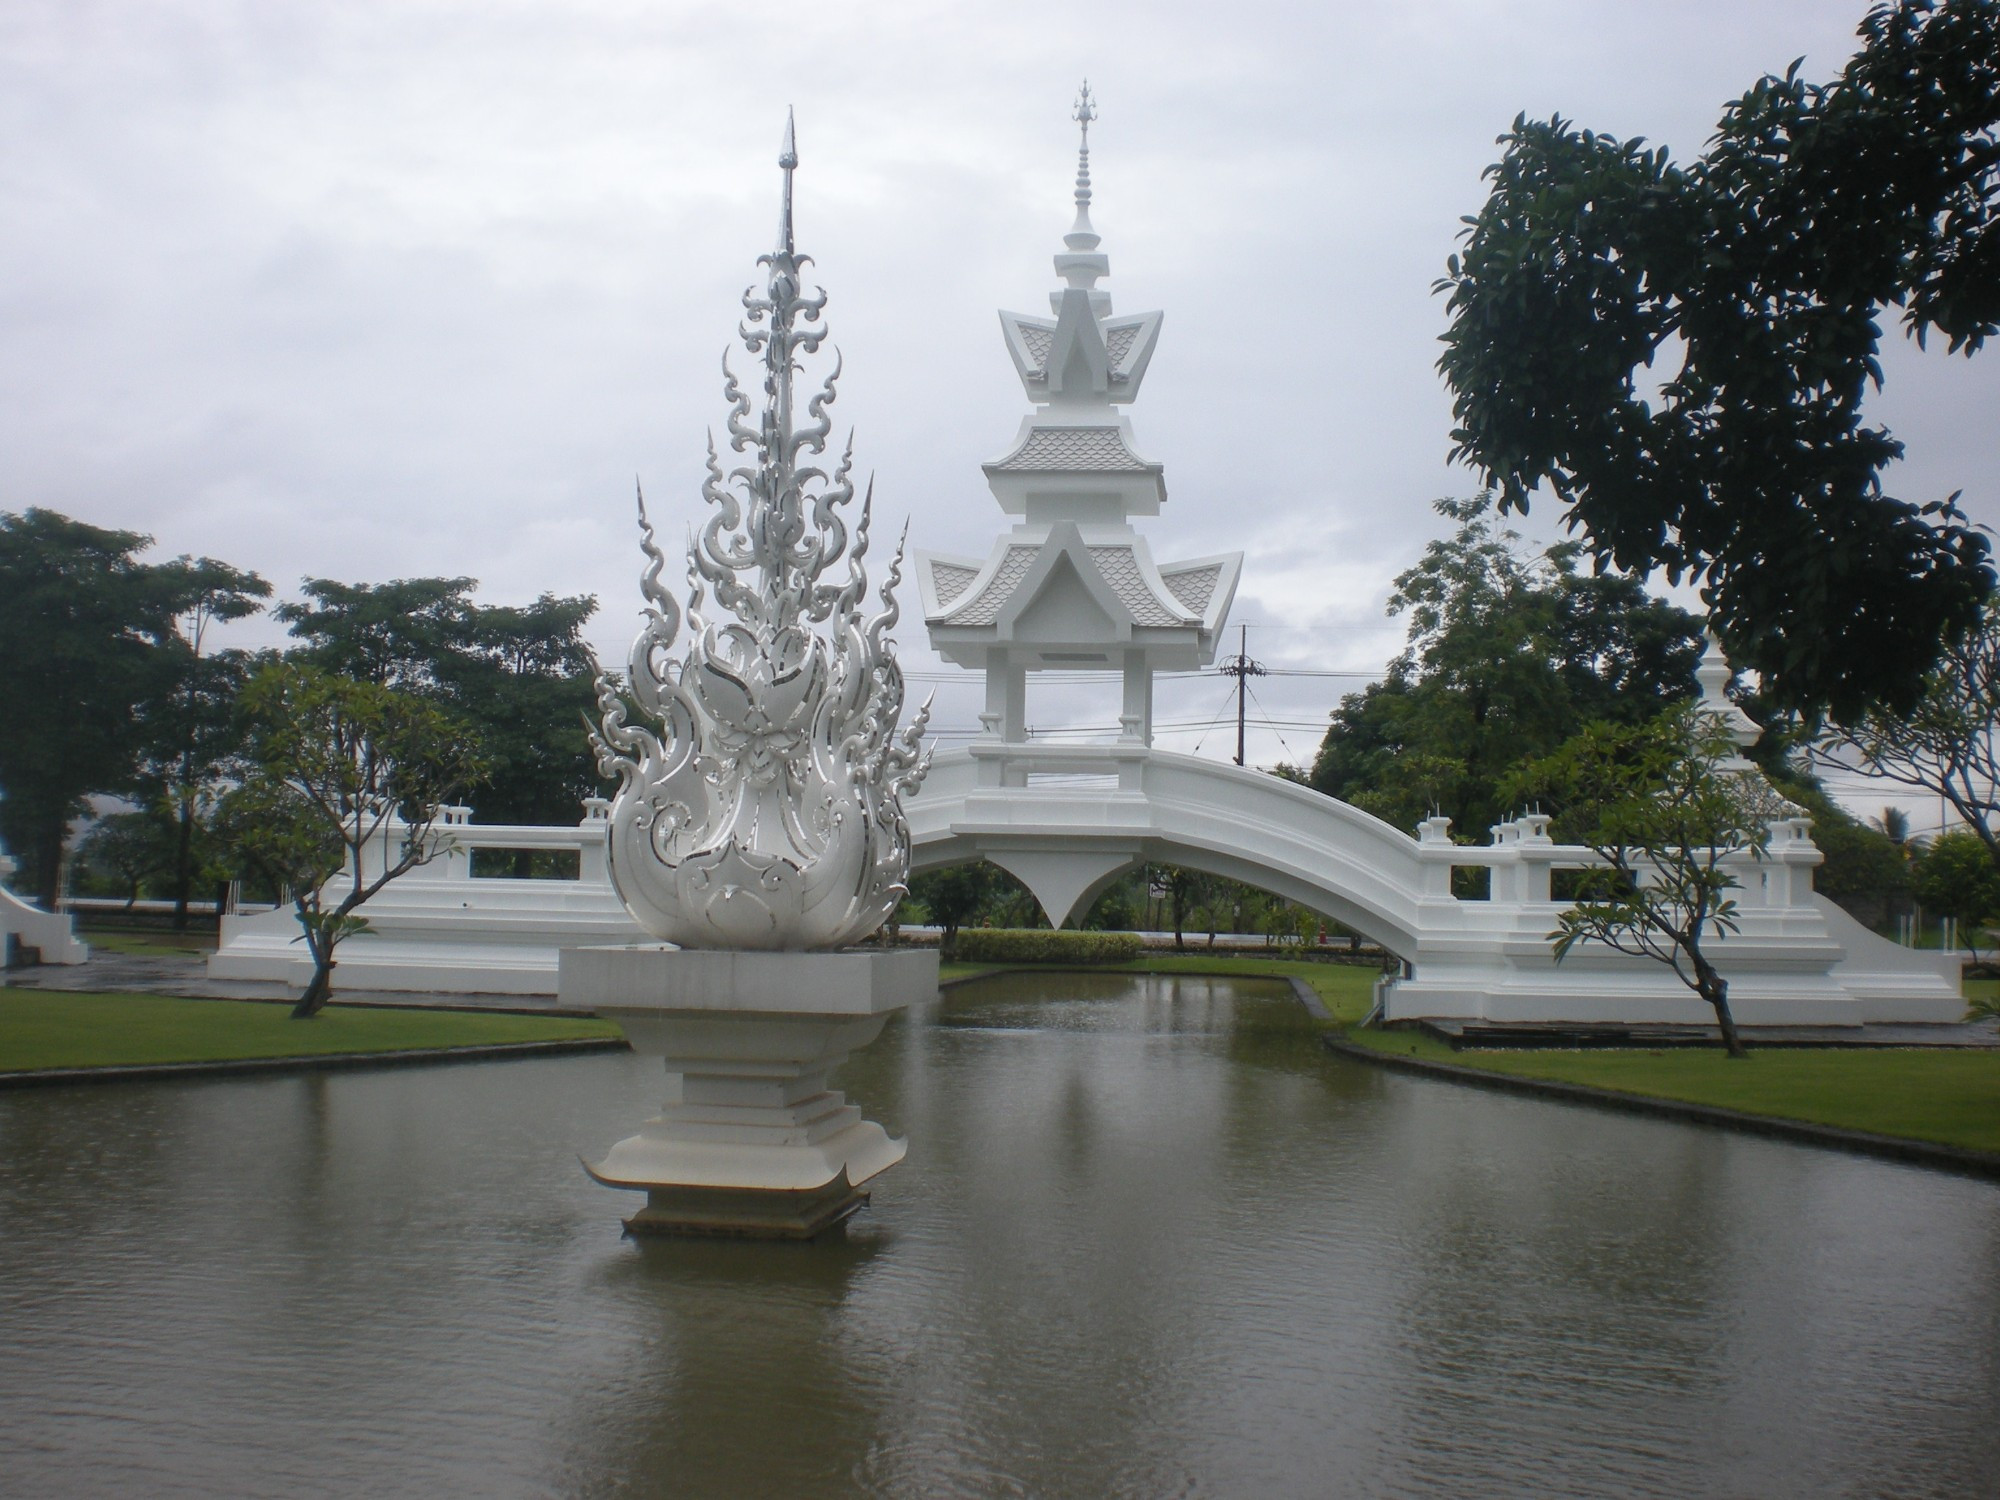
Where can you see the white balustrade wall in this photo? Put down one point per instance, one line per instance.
(1068, 820)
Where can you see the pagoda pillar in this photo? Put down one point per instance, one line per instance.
(1135, 720)
(1006, 697)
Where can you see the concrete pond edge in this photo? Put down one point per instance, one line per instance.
(1896, 1148)
(326, 1062)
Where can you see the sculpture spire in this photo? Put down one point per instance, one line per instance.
(763, 811)
(1082, 236)
(788, 161)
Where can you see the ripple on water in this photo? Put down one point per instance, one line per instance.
(1148, 1241)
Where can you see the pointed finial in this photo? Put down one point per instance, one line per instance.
(1712, 676)
(788, 161)
(1082, 236)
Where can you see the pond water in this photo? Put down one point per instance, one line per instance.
(1149, 1240)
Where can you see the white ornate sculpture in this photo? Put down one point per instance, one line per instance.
(766, 812)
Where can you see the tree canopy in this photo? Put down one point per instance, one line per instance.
(1663, 813)
(1510, 652)
(193, 734)
(335, 767)
(1948, 746)
(1750, 284)
(91, 660)
(521, 675)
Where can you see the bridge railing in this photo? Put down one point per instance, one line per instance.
(1523, 859)
(455, 838)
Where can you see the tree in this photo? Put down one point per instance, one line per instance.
(1185, 892)
(128, 849)
(1957, 878)
(1664, 814)
(953, 896)
(1510, 652)
(347, 778)
(1756, 276)
(1948, 745)
(522, 676)
(195, 732)
(85, 629)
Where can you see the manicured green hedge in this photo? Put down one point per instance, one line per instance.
(1001, 945)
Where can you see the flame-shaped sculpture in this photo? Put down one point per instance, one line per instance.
(766, 812)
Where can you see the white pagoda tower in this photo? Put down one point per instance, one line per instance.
(1072, 586)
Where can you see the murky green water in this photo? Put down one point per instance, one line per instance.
(1148, 1241)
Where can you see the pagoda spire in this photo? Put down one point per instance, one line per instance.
(1082, 236)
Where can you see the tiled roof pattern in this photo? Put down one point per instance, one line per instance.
(1119, 342)
(1120, 568)
(1072, 449)
(1039, 341)
(949, 580)
(985, 610)
(1193, 587)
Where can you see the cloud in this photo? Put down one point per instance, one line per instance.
(367, 291)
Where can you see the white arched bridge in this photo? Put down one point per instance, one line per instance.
(1067, 820)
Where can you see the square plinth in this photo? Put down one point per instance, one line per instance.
(652, 976)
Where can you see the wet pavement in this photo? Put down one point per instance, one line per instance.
(186, 974)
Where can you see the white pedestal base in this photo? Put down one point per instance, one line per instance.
(750, 1140)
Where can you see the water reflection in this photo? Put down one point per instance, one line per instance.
(1148, 1240)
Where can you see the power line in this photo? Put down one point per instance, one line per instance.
(1242, 669)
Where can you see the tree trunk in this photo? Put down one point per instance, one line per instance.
(318, 991)
(46, 863)
(320, 939)
(1713, 988)
(183, 866)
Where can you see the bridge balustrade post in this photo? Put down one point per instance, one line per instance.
(1434, 850)
(1537, 859)
(1504, 875)
(1788, 862)
(593, 864)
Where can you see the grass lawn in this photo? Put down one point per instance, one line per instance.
(48, 1029)
(1934, 1094)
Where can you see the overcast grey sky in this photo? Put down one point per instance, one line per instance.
(376, 290)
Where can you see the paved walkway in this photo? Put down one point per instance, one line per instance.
(186, 974)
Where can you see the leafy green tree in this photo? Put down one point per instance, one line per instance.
(521, 675)
(1510, 652)
(1957, 878)
(194, 733)
(1948, 745)
(346, 779)
(1753, 279)
(1185, 892)
(88, 649)
(953, 897)
(127, 850)
(1651, 802)
(1121, 907)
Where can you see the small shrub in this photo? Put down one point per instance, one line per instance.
(1003, 945)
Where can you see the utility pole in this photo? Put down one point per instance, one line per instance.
(1242, 669)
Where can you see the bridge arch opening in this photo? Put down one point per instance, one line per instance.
(1066, 886)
